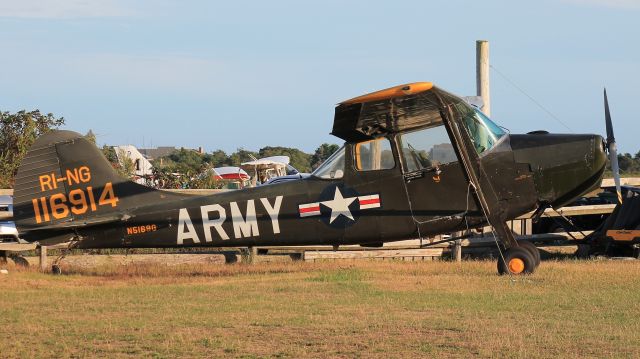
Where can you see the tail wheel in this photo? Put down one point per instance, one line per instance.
(517, 261)
(535, 252)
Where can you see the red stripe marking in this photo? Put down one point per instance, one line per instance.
(370, 201)
(310, 209)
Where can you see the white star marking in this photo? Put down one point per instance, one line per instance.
(339, 206)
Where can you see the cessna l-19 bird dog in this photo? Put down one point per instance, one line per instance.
(417, 161)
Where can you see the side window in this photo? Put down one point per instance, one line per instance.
(333, 167)
(374, 155)
(426, 148)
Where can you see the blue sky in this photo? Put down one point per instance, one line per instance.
(250, 74)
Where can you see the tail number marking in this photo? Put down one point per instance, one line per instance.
(78, 175)
(78, 201)
(142, 229)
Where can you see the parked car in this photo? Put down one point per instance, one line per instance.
(286, 178)
(8, 231)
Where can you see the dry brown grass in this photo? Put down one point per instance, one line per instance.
(337, 309)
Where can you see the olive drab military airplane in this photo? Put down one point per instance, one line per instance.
(417, 161)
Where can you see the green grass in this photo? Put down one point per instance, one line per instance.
(339, 309)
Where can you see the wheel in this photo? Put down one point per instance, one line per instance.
(583, 251)
(55, 269)
(535, 252)
(230, 257)
(20, 261)
(517, 260)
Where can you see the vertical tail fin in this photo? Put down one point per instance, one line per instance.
(64, 181)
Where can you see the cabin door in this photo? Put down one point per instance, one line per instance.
(433, 177)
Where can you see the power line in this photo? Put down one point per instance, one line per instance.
(530, 97)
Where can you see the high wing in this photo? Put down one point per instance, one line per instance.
(396, 109)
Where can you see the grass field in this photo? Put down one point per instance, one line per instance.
(335, 309)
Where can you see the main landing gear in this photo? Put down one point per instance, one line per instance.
(523, 259)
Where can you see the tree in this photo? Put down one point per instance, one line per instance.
(110, 154)
(17, 134)
(218, 158)
(126, 166)
(91, 137)
(241, 155)
(188, 162)
(323, 152)
(628, 165)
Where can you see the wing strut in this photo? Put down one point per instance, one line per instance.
(477, 177)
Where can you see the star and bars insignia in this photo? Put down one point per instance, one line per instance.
(340, 205)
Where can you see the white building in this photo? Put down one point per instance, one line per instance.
(142, 167)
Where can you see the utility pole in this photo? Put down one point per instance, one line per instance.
(482, 74)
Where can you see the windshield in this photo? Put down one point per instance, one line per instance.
(483, 132)
(333, 167)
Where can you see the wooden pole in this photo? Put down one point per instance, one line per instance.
(456, 251)
(482, 74)
(249, 255)
(43, 257)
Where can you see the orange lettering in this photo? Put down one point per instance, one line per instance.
(45, 180)
(85, 174)
(72, 176)
(45, 210)
(59, 210)
(79, 201)
(107, 196)
(92, 199)
(36, 210)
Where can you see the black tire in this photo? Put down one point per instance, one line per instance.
(20, 261)
(517, 261)
(230, 257)
(55, 269)
(535, 252)
(583, 251)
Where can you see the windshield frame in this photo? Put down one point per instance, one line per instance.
(483, 133)
(491, 126)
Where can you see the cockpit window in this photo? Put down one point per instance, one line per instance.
(483, 132)
(333, 167)
(426, 148)
(374, 155)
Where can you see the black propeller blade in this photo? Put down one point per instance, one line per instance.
(611, 147)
